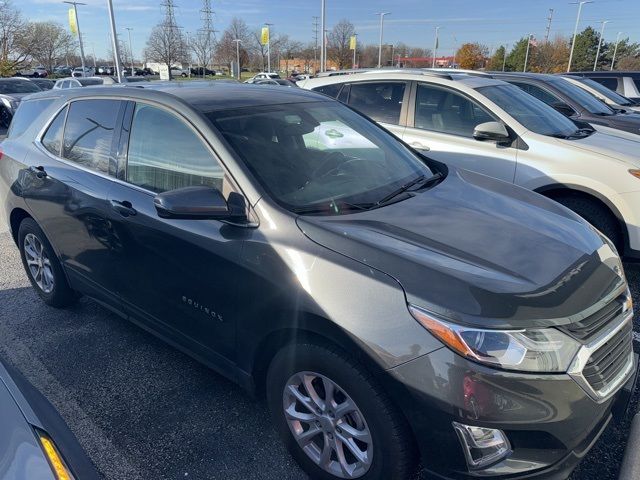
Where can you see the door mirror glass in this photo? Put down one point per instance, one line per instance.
(201, 202)
(491, 131)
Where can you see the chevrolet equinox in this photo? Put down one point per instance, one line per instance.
(391, 309)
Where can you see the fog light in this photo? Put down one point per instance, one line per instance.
(482, 446)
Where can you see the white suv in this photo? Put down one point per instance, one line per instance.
(608, 96)
(492, 127)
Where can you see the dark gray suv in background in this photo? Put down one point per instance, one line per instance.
(386, 305)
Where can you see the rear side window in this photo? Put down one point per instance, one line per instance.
(380, 101)
(330, 90)
(52, 140)
(165, 154)
(609, 82)
(25, 115)
(89, 133)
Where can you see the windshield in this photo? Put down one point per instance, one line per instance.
(530, 112)
(584, 99)
(319, 158)
(18, 86)
(615, 97)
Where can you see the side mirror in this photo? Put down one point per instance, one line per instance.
(563, 108)
(491, 131)
(199, 203)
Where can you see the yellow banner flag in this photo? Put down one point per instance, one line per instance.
(352, 43)
(264, 38)
(73, 25)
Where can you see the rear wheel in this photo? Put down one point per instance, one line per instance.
(335, 419)
(597, 215)
(42, 266)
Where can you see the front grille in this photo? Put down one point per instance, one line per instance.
(589, 327)
(606, 363)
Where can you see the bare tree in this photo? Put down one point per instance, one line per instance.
(202, 46)
(338, 44)
(51, 43)
(166, 45)
(225, 51)
(15, 45)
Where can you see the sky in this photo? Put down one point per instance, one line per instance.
(413, 22)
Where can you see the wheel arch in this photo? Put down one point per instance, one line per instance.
(556, 190)
(15, 219)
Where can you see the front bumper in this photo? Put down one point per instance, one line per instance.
(550, 421)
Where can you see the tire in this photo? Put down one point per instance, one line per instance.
(391, 451)
(597, 215)
(51, 285)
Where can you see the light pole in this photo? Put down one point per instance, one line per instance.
(128, 29)
(504, 57)
(382, 14)
(238, 41)
(393, 48)
(323, 44)
(93, 49)
(269, 25)
(526, 56)
(75, 12)
(575, 30)
(595, 64)
(435, 48)
(615, 50)
(114, 39)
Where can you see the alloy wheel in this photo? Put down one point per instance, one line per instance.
(38, 263)
(327, 425)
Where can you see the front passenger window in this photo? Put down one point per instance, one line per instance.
(442, 110)
(165, 154)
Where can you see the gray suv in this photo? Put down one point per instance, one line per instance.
(390, 308)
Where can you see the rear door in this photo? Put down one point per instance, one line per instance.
(441, 123)
(180, 276)
(71, 169)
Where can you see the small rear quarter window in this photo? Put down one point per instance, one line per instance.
(331, 90)
(25, 115)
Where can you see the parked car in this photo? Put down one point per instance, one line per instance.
(573, 101)
(86, 72)
(179, 72)
(604, 94)
(625, 83)
(263, 76)
(35, 441)
(38, 71)
(12, 90)
(486, 125)
(147, 71)
(276, 81)
(75, 82)
(386, 304)
(43, 83)
(198, 71)
(63, 71)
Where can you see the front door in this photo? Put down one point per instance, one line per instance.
(180, 276)
(441, 126)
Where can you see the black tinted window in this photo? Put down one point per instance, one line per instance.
(89, 132)
(610, 83)
(381, 102)
(165, 154)
(330, 90)
(539, 93)
(442, 110)
(18, 86)
(52, 140)
(25, 115)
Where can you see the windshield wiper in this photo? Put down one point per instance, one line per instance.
(422, 180)
(582, 133)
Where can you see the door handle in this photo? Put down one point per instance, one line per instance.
(124, 208)
(38, 171)
(420, 146)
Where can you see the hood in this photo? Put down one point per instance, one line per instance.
(625, 121)
(16, 96)
(480, 252)
(621, 147)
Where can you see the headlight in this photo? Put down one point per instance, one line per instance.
(529, 350)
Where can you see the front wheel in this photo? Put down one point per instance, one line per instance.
(335, 419)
